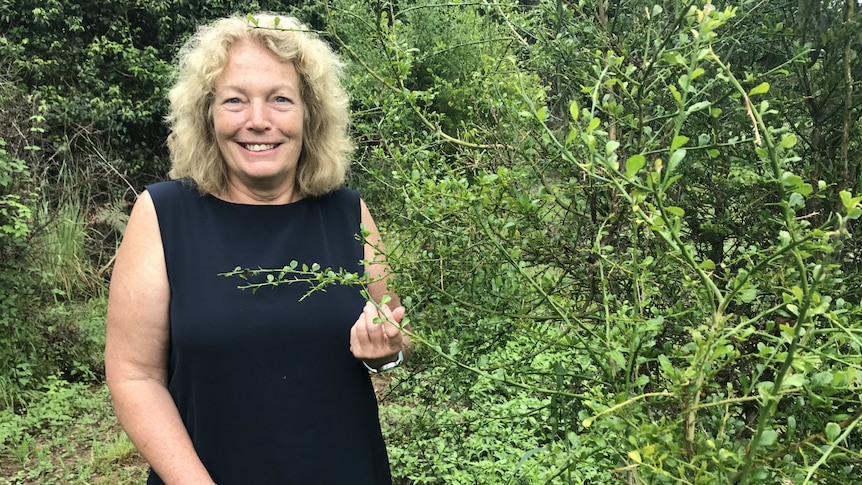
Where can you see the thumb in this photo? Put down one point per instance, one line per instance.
(389, 328)
(397, 314)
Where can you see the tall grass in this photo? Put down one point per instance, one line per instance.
(64, 261)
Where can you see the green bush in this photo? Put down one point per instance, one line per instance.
(646, 284)
(16, 293)
(425, 80)
(42, 334)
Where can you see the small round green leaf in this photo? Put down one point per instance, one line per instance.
(761, 88)
(832, 431)
(633, 164)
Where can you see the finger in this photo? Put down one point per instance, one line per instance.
(390, 330)
(370, 323)
(355, 346)
(393, 319)
(360, 333)
(384, 333)
(398, 314)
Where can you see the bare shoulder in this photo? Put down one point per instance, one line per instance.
(140, 258)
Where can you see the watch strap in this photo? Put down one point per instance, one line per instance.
(385, 367)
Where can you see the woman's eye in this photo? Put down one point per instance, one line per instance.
(232, 101)
(281, 99)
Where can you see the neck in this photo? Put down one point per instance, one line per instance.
(239, 193)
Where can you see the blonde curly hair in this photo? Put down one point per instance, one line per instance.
(326, 145)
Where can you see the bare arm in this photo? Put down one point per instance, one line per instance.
(378, 344)
(136, 354)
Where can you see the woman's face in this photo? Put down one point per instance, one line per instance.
(257, 116)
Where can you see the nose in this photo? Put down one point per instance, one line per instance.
(258, 118)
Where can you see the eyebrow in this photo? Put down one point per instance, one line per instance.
(242, 87)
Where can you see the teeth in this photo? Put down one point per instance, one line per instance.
(259, 148)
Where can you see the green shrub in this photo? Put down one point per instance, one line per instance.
(42, 266)
(648, 270)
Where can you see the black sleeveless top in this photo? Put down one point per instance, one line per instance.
(265, 384)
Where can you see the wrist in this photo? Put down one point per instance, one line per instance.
(381, 365)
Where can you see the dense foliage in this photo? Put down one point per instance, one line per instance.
(627, 232)
(625, 262)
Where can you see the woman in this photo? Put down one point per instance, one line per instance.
(218, 385)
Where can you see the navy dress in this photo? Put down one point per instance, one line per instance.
(265, 384)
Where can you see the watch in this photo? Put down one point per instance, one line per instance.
(389, 365)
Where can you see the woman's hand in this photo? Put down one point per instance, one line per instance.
(376, 337)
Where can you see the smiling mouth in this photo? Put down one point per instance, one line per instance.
(258, 147)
